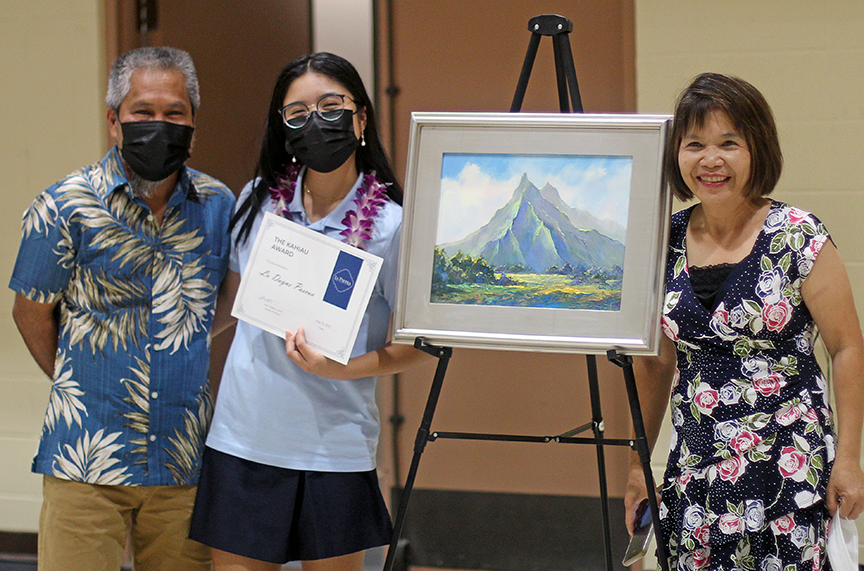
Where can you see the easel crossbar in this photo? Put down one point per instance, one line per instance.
(527, 438)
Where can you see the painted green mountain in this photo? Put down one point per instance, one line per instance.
(538, 230)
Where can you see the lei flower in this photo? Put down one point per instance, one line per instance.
(359, 223)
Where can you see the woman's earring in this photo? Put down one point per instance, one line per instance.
(294, 159)
(363, 139)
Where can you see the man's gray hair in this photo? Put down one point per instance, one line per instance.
(119, 79)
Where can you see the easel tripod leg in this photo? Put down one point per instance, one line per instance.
(443, 354)
(597, 424)
(642, 448)
(569, 66)
(522, 86)
(560, 74)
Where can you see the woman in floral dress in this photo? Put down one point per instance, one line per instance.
(758, 459)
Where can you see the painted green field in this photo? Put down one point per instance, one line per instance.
(535, 290)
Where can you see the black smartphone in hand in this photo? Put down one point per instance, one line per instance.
(641, 537)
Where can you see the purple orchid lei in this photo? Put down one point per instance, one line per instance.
(359, 223)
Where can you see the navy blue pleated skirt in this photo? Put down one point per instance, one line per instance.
(280, 515)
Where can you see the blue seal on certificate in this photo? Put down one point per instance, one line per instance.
(343, 279)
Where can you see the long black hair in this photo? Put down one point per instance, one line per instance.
(274, 159)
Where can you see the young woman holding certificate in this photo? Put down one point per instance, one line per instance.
(289, 468)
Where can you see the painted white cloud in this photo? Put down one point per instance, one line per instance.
(601, 188)
(470, 197)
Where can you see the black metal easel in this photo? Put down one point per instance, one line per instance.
(557, 27)
(565, 68)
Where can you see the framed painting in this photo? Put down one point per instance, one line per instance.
(534, 232)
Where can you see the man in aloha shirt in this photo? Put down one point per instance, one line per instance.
(115, 287)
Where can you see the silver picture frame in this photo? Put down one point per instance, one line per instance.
(630, 323)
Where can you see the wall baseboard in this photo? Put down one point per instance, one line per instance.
(18, 543)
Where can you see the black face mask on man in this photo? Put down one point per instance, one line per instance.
(155, 149)
(323, 145)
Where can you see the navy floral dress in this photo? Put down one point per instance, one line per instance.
(752, 439)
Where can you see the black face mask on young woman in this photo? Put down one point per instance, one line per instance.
(155, 149)
(322, 145)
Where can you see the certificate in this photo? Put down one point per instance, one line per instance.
(297, 277)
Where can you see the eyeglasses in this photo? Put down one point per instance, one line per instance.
(329, 108)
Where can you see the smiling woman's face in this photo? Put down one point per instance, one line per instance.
(715, 160)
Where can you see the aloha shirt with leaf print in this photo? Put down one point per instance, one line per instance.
(752, 438)
(130, 402)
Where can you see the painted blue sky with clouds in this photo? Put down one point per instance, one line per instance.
(474, 186)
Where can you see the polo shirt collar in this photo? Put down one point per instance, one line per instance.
(115, 178)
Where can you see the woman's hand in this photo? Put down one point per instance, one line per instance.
(387, 360)
(846, 489)
(307, 358)
(636, 492)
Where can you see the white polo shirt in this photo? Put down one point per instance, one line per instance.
(272, 412)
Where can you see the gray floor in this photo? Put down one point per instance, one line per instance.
(17, 563)
(374, 562)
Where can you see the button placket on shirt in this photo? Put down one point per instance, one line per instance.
(159, 256)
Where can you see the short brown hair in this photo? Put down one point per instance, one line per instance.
(749, 113)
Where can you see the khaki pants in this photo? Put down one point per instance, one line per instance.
(83, 527)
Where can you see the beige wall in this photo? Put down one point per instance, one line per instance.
(51, 88)
(806, 57)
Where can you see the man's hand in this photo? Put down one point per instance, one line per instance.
(39, 329)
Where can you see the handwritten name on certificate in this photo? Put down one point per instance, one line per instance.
(297, 277)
